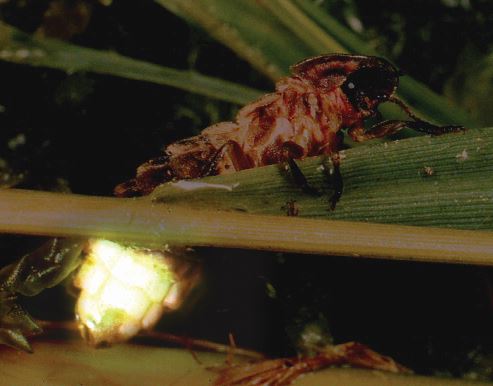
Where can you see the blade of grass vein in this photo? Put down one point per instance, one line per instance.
(144, 222)
(429, 104)
(19, 47)
(248, 29)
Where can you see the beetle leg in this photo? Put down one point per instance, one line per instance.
(300, 178)
(359, 133)
(334, 173)
(429, 128)
(234, 151)
(382, 129)
(420, 125)
(289, 152)
(336, 179)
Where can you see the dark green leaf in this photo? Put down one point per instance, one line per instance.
(19, 47)
(15, 323)
(46, 267)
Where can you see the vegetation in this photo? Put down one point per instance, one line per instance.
(84, 129)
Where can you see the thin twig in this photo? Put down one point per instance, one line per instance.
(184, 341)
(203, 344)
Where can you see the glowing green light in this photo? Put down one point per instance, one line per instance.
(123, 290)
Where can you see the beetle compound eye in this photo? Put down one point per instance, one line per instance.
(368, 86)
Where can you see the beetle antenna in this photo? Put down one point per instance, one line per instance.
(422, 125)
(404, 107)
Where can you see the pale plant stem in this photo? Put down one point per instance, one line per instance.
(144, 222)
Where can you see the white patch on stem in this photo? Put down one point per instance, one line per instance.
(195, 185)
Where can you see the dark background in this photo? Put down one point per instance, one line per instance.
(86, 133)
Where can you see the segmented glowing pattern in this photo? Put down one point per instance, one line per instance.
(122, 291)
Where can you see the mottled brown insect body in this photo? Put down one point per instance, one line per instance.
(302, 118)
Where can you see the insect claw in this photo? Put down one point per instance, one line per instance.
(301, 180)
(334, 176)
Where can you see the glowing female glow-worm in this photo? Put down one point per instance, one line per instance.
(123, 290)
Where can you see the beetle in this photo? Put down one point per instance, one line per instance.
(304, 117)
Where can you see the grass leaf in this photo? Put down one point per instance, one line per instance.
(444, 181)
(43, 268)
(246, 28)
(435, 182)
(19, 47)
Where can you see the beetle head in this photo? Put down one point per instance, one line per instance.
(365, 80)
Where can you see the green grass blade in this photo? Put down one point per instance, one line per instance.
(434, 182)
(444, 181)
(19, 47)
(302, 26)
(347, 38)
(472, 85)
(247, 28)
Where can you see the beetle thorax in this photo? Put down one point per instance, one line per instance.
(299, 115)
